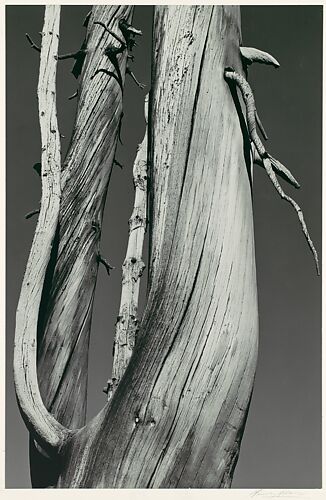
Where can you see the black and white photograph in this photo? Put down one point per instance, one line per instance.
(163, 241)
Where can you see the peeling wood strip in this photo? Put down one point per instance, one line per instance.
(45, 429)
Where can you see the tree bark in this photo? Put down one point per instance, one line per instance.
(177, 416)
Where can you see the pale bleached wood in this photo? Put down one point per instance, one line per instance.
(176, 419)
(45, 429)
(64, 321)
(85, 176)
(269, 163)
(132, 270)
(251, 55)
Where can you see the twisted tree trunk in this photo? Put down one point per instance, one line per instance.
(64, 317)
(177, 416)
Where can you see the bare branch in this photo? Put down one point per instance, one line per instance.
(278, 167)
(33, 45)
(105, 263)
(32, 213)
(129, 72)
(70, 55)
(75, 94)
(127, 29)
(111, 32)
(249, 100)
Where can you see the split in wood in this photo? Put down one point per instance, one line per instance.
(105, 263)
(267, 161)
(251, 55)
(33, 45)
(32, 213)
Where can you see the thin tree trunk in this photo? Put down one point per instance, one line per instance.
(176, 418)
(45, 429)
(132, 270)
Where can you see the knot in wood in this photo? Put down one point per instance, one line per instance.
(110, 386)
(140, 179)
(136, 220)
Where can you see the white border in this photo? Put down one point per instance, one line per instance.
(137, 494)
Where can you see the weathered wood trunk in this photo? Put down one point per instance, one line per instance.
(64, 318)
(176, 418)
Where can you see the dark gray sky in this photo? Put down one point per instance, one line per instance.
(281, 447)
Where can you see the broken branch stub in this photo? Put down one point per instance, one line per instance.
(251, 55)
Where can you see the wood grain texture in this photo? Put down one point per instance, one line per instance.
(65, 326)
(46, 430)
(177, 416)
(64, 318)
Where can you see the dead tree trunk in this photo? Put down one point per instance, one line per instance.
(64, 315)
(176, 417)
